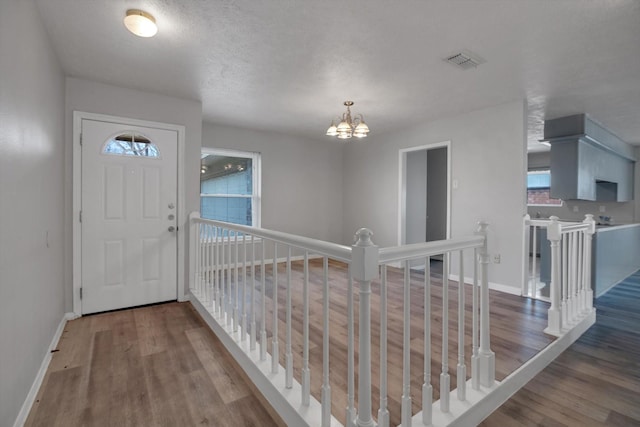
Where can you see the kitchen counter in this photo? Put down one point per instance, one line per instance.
(616, 255)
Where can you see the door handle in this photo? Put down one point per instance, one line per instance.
(171, 228)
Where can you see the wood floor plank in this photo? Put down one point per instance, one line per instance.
(217, 367)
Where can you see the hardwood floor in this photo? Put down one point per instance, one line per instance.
(151, 366)
(596, 382)
(161, 366)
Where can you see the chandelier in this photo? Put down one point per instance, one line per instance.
(349, 127)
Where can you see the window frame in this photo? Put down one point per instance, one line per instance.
(256, 178)
(540, 171)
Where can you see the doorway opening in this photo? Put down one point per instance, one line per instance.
(425, 194)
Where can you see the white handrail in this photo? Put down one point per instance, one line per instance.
(332, 250)
(231, 282)
(420, 250)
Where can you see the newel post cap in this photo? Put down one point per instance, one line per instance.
(588, 219)
(482, 231)
(364, 256)
(363, 237)
(554, 230)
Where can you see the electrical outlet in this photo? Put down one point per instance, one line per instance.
(496, 258)
(576, 208)
(603, 209)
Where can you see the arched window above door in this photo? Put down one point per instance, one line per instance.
(131, 144)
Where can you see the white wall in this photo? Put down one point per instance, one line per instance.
(488, 149)
(93, 97)
(31, 201)
(301, 179)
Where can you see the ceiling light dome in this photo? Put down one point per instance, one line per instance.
(140, 23)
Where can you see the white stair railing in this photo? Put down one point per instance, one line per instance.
(570, 292)
(229, 283)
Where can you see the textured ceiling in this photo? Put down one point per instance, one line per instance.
(288, 65)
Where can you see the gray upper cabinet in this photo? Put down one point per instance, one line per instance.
(586, 168)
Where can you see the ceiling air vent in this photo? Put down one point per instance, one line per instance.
(465, 60)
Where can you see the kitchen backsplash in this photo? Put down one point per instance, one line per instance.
(619, 213)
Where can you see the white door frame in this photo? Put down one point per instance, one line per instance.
(181, 231)
(402, 186)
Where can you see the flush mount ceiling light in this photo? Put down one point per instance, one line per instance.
(349, 127)
(140, 23)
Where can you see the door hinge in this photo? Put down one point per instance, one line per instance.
(80, 293)
(80, 216)
(80, 139)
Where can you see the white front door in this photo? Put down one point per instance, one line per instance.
(129, 215)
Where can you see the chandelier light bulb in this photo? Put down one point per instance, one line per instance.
(333, 130)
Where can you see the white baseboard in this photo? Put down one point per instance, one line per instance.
(37, 382)
(492, 285)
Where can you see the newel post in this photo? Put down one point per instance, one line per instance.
(364, 264)
(587, 261)
(193, 248)
(487, 358)
(554, 235)
(526, 242)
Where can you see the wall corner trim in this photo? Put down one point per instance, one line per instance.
(37, 382)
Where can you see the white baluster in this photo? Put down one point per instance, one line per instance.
(208, 265)
(223, 278)
(243, 316)
(462, 368)
(198, 256)
(588, 248)
(306, 377)
(574, 276)
(227, 302)
(534, 269)
(217, 269)
(406, 348)
(579, 296)
(252, 308)
(351, 409)
(475, 359)
(487, 357)
(444, 375)
(566, 277)
(326, 387)
(263, 315)
(288, 353)
(427, 388)
(365, 268)
(234, 295)
(526, 258)
(275, 353)
(554, 313)
(383, 412)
